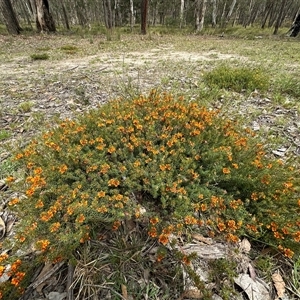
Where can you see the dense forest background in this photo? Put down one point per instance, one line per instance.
(48, 15)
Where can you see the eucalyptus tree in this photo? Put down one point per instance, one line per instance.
(9, 16)
(200, 10)
(44, 19)
(144, 15)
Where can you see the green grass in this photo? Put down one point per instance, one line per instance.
(4, 134)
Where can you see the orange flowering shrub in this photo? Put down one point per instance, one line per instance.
(193, 168)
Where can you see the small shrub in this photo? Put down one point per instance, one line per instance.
(39, 56)
(288, 85)
(165, 163)
(4, 134)
(237, 79)
(69, 49)
(25, 106)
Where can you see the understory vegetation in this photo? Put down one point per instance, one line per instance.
(164, 163)
(117, 190)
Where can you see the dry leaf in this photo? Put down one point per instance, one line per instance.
(254, 289)
(201, 238)
(192, 294)
(252, 272)
(2, 228)
(279, 284)
(124, 291)
(245, 246)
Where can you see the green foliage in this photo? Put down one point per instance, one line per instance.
(165, 163)
(4, 134)
(222, 272)
(39, 56)
(25, 106)
(237, 79)
(288, 85)
(69, 49)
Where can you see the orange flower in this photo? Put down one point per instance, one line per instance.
(278, 235)
(152, 232)
(297, 236)
(80, 218)
(189, 220)
(163, 239)
(10, 179)
(235, 203)
(116, 225)
(2, 269)
(15, 266)
(254, 196)
(226, 171)
(252, 227)
(13, 201)
(154, 220)
(186, 260)
(286, 251)
(39, 204)
(54, 227)
(221, 226)
(203, 207)
(42, 244)
(232, 238)
(165, 167)
(113, 182)
(62, 169)
(102, 209)
(30, 192)
(232, 225)
(104, 168)
(160, 257)
(17, 278)
(111, 149)
(288, 185)
(19, 156)
(3, 257)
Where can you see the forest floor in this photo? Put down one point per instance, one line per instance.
(83, 72)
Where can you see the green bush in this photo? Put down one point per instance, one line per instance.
(288, 85)
(165, 163)
(39, 56)
(237, 79)
(69, 49)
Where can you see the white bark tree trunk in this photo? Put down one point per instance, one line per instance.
(181, 13)
(214, 14)
(132, 19)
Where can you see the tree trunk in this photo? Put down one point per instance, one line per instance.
(266, 14)
(214, 14)
(81, 13)
(230, 11)
(197, 14)
(108, 17)
(9, 16)
(131, 16)
(44, 19)
(200, 14)
(66, 20)
(280, 16)
(181, 16)
(26, 14)
(144, 13)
